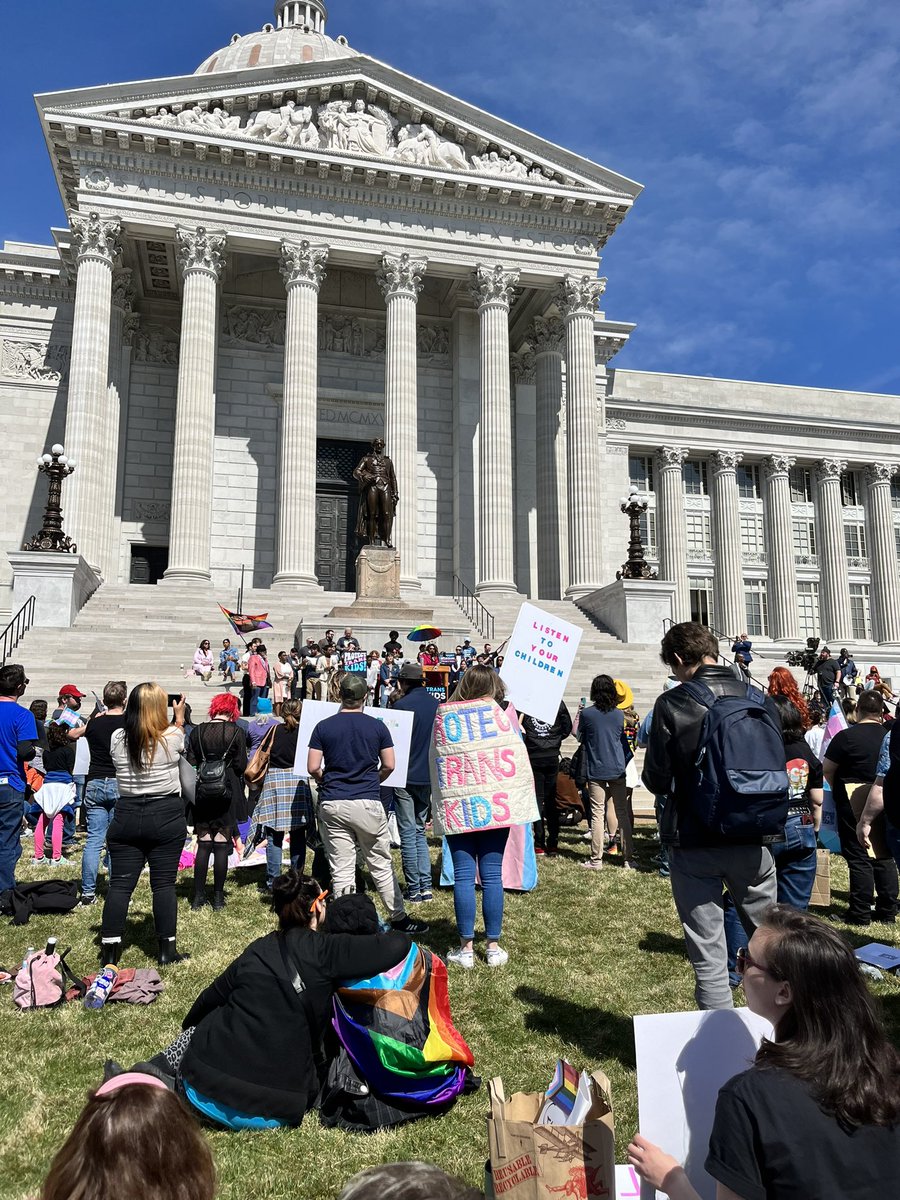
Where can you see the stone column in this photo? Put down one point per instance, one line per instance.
(577, 301)
(834, 597)
(671, 531)
(303, 269)
(122, 295)
(731, 610)
(201, 255)
(493, 289)
(400, 280)
(547, 338)
(784, 625)
(96, 243)
(883, 552)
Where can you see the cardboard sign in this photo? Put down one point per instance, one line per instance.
(399, 723)
(480, 774)
(538, 662)
(683, 1059)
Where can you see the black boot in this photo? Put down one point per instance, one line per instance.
(168, 953)
(218, 901)
(201, 867)
(110, 952)
(199, 900)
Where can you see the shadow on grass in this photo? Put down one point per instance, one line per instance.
(597, 1033)
(657, 942)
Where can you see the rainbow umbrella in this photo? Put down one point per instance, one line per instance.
(423, 633)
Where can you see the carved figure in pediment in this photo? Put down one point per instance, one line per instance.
(421, 145)
(221, 121)
(487, 164)
(300, 130)
(432, 341)
(190, 116)
(357, 129)
(163, 117)
(264, 124)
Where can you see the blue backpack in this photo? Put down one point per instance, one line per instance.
(741, 788)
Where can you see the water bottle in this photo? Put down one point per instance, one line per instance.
(28, 954)
(98, 992)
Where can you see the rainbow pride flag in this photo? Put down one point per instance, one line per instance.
(398, 1032)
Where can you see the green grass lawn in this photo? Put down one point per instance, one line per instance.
(588, 951)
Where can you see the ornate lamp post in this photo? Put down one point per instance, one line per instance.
(636, 567)
(51, 537)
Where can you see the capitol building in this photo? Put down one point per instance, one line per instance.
(295, 248)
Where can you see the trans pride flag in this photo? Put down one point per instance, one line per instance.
(242, 623)
(828, 833)
(398, 1032)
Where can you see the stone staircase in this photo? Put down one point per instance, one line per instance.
(135, 632)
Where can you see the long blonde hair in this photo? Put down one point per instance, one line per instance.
(290, 713)
(480, 683)
(146, 722)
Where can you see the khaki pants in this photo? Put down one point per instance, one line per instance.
(602, 791)
(350, 824)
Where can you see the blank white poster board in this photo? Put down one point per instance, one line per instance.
(682, 1061)
(399, 723)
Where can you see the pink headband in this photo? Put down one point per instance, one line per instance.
(125, 1080)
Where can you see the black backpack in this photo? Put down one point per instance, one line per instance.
(212, 773)
(51, 896)
(740, 790)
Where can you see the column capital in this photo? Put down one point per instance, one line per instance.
(523, 365)
(200, 249)
(670, 458)
(547, 335)
(830, 468)
(579, 295)
(493, 286)
(725, 461)
(95, 237)
(778, 464)
(881, 473)
(302, 263)
(122, 291)
(130, 326)
(401, 275)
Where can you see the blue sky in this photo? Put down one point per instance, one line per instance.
(766, 133)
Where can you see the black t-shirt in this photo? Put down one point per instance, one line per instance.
(60, 758)
(827, 671)
(99, 733)
(392, 647)
(856, 751)
(804, 771)
(771, 1141)
(284, 748)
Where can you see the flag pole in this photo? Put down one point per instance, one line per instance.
(240, 603)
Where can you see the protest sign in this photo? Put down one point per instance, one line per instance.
(683, 1059)
(399, 723)
(82, 757)
(538, 662)
(480, 774)
(355, 661)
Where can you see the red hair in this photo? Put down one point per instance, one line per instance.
(225, 705)
(783, 683)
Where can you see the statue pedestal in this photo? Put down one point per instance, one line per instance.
(60, 583)
(633, 609)
(378, 592)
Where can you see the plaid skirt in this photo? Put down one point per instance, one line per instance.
(285, 802)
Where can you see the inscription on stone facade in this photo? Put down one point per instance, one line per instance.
(39, 362)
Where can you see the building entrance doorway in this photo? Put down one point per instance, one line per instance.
(337, 496)
(148, 563)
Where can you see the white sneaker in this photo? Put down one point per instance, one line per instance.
(497, 957)
(39, 862)
(60, 862)
(586, 837)
(462, 958)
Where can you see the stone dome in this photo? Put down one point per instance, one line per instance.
(272, 47)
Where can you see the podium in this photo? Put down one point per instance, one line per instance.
(437, 681)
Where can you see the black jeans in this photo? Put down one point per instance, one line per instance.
(870, 879)
(145, 830)
(546, 830)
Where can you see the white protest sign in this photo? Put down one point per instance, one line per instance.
(683, 1059)
(628, 1183)
(538, 662)
(82, 756)
(399, 723)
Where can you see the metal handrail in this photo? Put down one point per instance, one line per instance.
(477, 614)
(730, 662)
(16, 629)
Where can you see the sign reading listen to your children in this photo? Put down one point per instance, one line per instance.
(538, 662)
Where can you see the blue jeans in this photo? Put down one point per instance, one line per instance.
(100, 798)
(892, 836)
(483, 850)
(412, 806)
(274, 845)
(10, 834)
(256, 693)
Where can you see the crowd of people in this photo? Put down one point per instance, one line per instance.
(738, 845)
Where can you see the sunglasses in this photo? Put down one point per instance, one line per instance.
(321, 896)
(743, 961)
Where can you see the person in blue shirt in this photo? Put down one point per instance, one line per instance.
(741, 650)
(18, 740)
(412, 804)
(229, 659)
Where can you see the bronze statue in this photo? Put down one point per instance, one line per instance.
(378, 496)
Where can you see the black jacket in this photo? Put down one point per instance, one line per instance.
(543, 741)
(257, 1045)
(672, 752)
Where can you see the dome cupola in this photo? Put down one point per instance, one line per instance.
(298, 36)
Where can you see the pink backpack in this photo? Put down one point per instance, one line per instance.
(40, 982)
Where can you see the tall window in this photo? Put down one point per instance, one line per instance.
(701, 600)
(895, 493)
(751, 538)
(855, 540)
(801, 485)
(804, 539)
(748, 481)
(640, 472)
(808, 609)
(757, 607)
(694, 474)
(699, 540)
(648, 534)
(851, 488)
(860, 615)
(897, 540)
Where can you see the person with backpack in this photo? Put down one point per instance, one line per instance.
(18, 742)
(218, 749)
(715, 750)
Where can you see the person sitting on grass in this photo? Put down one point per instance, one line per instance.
(133, 1138)
(818, 1114)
